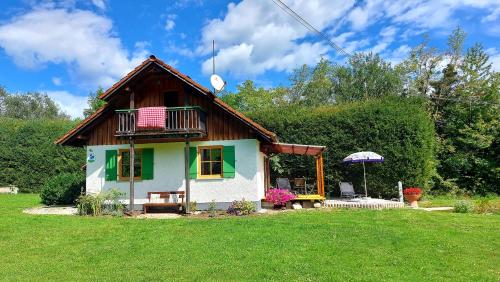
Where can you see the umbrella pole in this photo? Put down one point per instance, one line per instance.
(364, 176)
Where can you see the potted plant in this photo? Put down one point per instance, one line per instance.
(412, 194)
(279, 197)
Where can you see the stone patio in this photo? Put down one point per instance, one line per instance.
(363, 203)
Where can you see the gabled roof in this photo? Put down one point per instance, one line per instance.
(113, 90)
(152, 59)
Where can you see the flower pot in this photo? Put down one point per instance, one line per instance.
(413, 199)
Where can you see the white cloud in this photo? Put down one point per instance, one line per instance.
(56, 81)
(387, 36)
(174, 63)
(71, 104)
(257, 36)
(419, 13)
(186, 3)
(82, 40)
(350, 45)
(493, 16)
(494, 58)
(495, 62)
(101, 4)
(363, 15)
(170, 24)
(397, 55)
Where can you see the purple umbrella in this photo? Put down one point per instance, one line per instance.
(363, 157)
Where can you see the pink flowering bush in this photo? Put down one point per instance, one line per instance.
(279, 197)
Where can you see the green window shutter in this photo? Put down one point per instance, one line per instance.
(148, 163)
(111, 169)
(228, 166)
(193, 162)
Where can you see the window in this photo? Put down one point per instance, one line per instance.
(124, 164)
(171, 99)
(210, 162)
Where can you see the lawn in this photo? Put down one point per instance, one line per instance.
(449, 201)
(306, 245)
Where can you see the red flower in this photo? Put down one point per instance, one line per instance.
(412, 191)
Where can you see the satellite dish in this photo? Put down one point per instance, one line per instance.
(217, 82)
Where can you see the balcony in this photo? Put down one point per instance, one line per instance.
(179, 122)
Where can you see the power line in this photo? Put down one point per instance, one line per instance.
(306, 24)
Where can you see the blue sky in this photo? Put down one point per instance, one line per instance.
(67, 48)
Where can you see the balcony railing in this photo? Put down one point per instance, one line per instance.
(179, 120)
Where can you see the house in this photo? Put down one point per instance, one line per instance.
(202, 146)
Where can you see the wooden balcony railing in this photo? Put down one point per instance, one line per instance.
(179, 120)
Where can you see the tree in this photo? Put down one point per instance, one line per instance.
(3, 95)
(420, 69)
(250, 98)
(298, 84)
(455, 45)
(466, 103)
(94, 102)
(443, 91)
(30, 105)
(366, 76)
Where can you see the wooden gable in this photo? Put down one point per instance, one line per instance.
(156, 85)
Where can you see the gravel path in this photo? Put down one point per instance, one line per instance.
(61, 210)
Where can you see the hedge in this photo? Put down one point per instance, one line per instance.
(397, 128)
(28, 155)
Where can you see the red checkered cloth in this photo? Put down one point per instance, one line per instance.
(151, 118)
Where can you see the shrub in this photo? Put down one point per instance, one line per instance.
(412, 191)
(107, 203)
(62, 189)
(241, 207)
(193, 206)
(463, 206)
(212, 209)
(112, 204)
(487, 205)
(279, 197)
(399, 129)
(90, 204)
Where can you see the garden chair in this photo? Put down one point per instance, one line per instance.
(302, 186)
(283, 183)
(347, 190)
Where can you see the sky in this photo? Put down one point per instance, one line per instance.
(69, 48)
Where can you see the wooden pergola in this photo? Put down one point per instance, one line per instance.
(296, 149)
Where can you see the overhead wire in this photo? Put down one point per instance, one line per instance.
(310, 27)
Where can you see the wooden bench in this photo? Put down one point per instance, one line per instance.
(166, 197)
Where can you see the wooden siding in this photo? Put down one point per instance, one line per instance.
(149, 91)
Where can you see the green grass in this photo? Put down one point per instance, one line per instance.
(307, 245)
(449, 201)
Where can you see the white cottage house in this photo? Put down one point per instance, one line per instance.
(172, 134)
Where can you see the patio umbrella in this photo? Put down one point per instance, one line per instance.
(363, 157)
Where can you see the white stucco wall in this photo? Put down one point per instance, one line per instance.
(247, 184)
